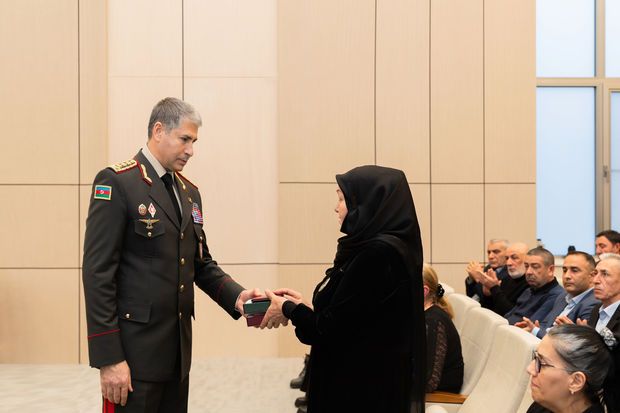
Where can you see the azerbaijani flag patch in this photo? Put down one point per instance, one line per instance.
(103, 192)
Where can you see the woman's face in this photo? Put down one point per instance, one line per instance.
(551, 384)
(341, 206)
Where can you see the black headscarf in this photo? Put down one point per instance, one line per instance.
(380, 209)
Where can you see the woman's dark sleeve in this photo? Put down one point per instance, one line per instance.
(366, 285)
(436, 349)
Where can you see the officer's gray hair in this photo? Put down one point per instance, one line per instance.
(170, 111)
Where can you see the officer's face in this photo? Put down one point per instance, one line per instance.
(176, 146)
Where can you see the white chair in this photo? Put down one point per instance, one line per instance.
(476, 341)
(502, 384)
(461, 304)
(526, 401)
(477, 338)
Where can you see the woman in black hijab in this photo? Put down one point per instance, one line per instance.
(367, 327)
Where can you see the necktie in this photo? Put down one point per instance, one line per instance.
(167, 178)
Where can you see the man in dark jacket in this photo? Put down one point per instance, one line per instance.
(536, 301)
(501, 295)
(144, 249)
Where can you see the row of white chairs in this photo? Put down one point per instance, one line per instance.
(495, 355)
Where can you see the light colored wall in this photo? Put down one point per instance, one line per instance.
(291, 93)
(53, 100)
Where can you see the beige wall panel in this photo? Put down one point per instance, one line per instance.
(510, 212)
(217, 334)
(453, 275)
(39, 86)
(456, 91)
(145, 39)
(230, 38)
(403, 87)
(326, 87)
(422, 199)
(130, 103)
(40, 226)
(85, 197)
(309, 228)
(510, 91)
(457, 218)
(93, 89)
(302, 278)
(43, 329)
(235, 166)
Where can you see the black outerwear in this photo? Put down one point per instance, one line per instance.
(445, 357)
(138, 281)
(504, 296)
(613, 381)
(537, 408)
(367, 327)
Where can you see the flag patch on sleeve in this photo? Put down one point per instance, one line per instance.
(103, 192)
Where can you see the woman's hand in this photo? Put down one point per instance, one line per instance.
(274, 317)
(290, 295)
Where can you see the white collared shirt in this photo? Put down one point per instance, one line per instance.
(161, 171)
(605, 314)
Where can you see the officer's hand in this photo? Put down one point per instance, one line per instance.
(116, 382)
(245, 296)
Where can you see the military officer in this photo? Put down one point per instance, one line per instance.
(144, 249)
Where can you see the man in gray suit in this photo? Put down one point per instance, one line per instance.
(144, 250)
(578, 271)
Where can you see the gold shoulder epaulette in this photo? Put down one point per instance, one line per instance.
(181, 178)
(123, 166)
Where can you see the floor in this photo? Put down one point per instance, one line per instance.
(217, 385)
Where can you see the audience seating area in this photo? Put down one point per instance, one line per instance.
(496, 356)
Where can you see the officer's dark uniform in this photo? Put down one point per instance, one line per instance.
(139, 272)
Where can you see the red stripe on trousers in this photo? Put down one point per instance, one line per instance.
(108, 406)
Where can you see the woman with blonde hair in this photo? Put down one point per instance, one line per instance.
(443, 344)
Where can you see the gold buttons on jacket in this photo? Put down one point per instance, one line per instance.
(182, 288)
(127, 315)
(189, 199)
(180, 315)
(182, 235)
(201, 238)
(150, 234)
(182, 261)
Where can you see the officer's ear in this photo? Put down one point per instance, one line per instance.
(158, 131)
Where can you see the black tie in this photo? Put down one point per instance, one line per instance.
(167, 178)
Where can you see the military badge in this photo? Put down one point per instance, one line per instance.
(196, 214)
(152, 210)
(149, 222)
(103, 192)
(142, 209)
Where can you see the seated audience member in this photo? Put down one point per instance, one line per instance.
(501, 296)
(570, 372)
(496, 255)
(578, 271)
(606, 317)
(608, 241)
(443, 345)
(537, 300)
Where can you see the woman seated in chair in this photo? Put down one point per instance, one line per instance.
(569, 372)
(443, 344)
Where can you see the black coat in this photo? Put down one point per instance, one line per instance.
(139, 275)
(360, 333)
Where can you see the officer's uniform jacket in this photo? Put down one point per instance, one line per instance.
(140, 268)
